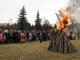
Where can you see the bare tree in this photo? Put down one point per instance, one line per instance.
(75, 8)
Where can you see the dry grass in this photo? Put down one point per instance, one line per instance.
(35, 51)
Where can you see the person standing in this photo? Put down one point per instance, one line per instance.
(41, 37)
(23, 36)
(6, 36)
(1, 37)
(15, 36)
(11, 36)
(30, 36)
(44, 35)
(34, 35)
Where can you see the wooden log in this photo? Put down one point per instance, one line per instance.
(61, 44)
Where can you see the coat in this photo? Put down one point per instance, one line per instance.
(1, 37)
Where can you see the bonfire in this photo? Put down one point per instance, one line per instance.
(59, 40)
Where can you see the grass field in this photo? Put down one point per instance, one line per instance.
(35, 51)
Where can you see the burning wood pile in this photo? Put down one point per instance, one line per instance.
(59, 40)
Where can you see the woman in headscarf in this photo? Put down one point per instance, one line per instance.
(22, 36)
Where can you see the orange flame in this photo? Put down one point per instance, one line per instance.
(65, 20)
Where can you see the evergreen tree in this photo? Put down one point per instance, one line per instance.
(22, 23)
(47, 25)
(38, 22)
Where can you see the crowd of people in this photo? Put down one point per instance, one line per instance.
(20, 36)
(17, 36)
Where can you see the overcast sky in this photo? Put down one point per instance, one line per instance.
(10, 9)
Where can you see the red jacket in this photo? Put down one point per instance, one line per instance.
(1, 37)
